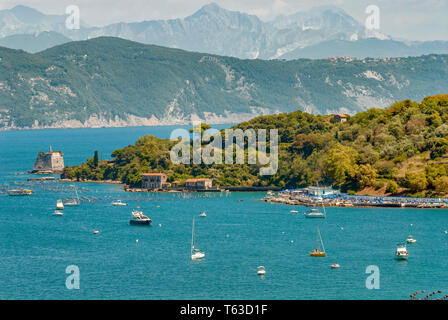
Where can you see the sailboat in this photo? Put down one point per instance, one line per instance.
(59, 205)
(410, 238)
(315, 212)
(74, 201)
(194, 252)
(320, 252)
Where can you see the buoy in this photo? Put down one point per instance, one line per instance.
(136, 240)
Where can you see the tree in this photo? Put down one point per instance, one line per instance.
(341, 164)
(392, 187)
(441, 185)
(365, 175)
(416, 182)
(95, 159)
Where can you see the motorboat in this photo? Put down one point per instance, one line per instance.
(203, 214)
(261, 270)
(335, 266)
(20, 192)
(119, 203)
(138, 218)
(58, 213)
(401, 253)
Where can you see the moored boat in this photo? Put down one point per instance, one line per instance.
(401, 253)
(195, 253)
(20, 192)
(59, 205)
(119, 203)
(261, 270)
(315, 213)
(319, 252)
(138, 218)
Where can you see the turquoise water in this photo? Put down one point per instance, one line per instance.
(237, 236)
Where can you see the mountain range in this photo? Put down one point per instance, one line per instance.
(109, 81)
(319, 33)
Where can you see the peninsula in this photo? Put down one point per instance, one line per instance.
(401, 150)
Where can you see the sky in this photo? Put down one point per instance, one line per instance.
(407, 19)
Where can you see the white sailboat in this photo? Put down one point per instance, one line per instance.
(194, 252)
(59, 205)
(410, 238)
(74, 201)
(316, 213)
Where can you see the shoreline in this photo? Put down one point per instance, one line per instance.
(360, 202)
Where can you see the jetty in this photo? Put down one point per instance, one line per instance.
(301, 197)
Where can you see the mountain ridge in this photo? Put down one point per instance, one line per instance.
(114, 82)
(216, 30)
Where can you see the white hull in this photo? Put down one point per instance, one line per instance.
(322, 216)
(197, 256)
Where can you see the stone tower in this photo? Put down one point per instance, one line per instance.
(50, 162)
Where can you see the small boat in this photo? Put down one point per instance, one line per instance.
(203, 214)
(335, 266)
(401, 253)
(74, 201)
(119, 203)
(95, 232)
(315, 213)
(320, 252)
(410, 239)
(58, 213)
(261, 271)
(138, 218)
(195, 253)
(20, 192)
(293, 211)
(59, 205)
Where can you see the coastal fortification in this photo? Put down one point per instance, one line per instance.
(50, 162)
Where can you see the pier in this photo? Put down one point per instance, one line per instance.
(298, 197)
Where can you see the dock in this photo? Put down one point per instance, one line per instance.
(345, 200)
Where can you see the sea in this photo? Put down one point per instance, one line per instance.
(43, 256)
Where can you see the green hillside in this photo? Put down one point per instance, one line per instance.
(98, 81)
(399, 150)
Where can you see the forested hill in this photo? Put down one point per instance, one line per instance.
(114, 82)
(399, 150)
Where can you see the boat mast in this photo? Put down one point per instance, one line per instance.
(192, 237)
(320, 238)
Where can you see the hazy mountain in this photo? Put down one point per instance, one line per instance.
(34, 43)
(321, 32)
(115, 82)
